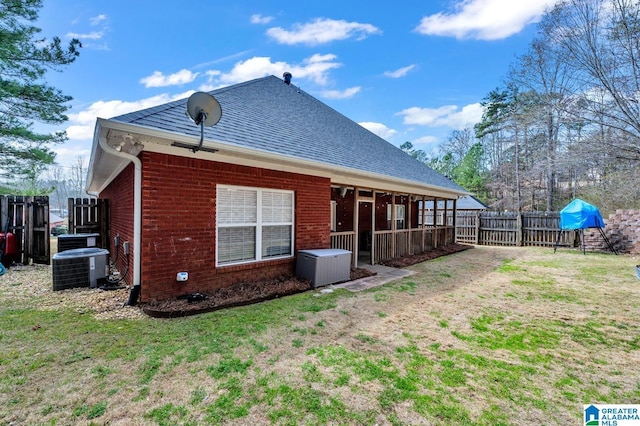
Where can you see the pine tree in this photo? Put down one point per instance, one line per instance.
(25, 97)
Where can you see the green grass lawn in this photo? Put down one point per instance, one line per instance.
(489, 336)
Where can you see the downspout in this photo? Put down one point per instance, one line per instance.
(137, 215)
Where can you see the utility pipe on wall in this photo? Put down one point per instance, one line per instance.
(137, 207)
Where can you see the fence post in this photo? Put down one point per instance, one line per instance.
(477, 230)
(28, 229)
(519, 230)
(4, 211)
(71, 215)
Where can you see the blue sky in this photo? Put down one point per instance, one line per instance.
(408, 72)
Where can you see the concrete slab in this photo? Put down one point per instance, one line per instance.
(384, 275)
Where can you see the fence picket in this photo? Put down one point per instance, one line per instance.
(511, 229)
(88, 216)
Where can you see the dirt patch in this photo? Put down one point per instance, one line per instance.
(403, 262)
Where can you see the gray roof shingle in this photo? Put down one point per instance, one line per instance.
(268, 115)
(467, 202)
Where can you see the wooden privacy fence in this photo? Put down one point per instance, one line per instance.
(89, 216)
(27, 218)
(512, 229)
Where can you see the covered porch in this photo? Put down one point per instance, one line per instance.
(377, 225)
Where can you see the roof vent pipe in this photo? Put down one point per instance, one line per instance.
(287, 77)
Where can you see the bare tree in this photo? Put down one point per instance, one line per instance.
(568, 122)
(459, 143)
(544, 72)
(58, 179)
(77, 178)
(601, 39)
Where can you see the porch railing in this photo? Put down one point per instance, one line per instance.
(345, 241)
(391, 244)
(383, 245)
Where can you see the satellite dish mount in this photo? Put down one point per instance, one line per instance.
(204, 110)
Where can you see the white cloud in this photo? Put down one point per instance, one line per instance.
(222, 59)
(340, 94)
(379, 129)
(97, 20)
(158, 79)
(426, 116)
(322, 30)
(425, 140)
(448, 115)
(68, 153)
(315, 68)
(484, 19)
(94, 35)
(400, 72)
(259, 19)
(83, 122)
(89, 38)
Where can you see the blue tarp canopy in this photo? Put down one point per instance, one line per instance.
(579, 214)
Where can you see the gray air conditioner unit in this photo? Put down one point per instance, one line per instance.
(76, 241)
(84, 267)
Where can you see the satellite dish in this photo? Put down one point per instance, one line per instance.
(204, 109)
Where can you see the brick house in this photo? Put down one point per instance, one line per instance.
(280, 172)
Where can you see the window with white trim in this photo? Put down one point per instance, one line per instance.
(253, 224)
(400, 214)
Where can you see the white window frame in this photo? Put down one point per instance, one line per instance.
(401, 211)
(258, 224)
(429, 217)
(334, 216)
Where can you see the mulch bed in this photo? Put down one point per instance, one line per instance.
(403, 262)
(247, 293)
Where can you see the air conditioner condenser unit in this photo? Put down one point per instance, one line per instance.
(84, 267)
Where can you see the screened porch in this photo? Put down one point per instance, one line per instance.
(376, 225)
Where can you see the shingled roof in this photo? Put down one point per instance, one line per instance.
(267, 115)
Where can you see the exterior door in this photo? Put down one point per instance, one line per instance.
(365, 233)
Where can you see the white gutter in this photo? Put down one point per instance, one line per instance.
(137, 200)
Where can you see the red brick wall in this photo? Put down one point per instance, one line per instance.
(178, 222)
(382, 200)
(344, 209)
(120, 195)
(345, 206)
